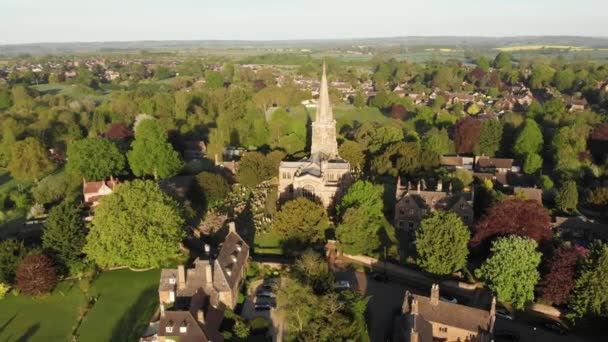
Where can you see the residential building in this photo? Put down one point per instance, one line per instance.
(324, 174)
(93, 191)
(453, 163)
(428, 319)
(495, 165)
(414, 204)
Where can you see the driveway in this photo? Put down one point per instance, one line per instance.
(273, 316)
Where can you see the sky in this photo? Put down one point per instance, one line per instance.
(33, 21)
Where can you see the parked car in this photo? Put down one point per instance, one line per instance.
(504, 335)
(449, 299)
(502, 313)
(269, 284)
(265, 293)
(379, 276)
(342, 285)
(555, 327)
(264, 303)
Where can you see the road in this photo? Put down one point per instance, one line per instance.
(273, 316)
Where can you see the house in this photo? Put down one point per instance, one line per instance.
(93, 191)
(529, 193)
(495, 165)
(453, 163)
(427, 319)
(192, 301)
(576, 105)
(414, 204)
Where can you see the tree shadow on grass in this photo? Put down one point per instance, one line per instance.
(27, 335)
(135, 320)
(8, 322)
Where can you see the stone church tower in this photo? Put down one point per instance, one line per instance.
(324, 174)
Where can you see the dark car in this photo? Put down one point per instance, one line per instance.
(506, 336)
(555, 327)
(264, 303)
(379, 276)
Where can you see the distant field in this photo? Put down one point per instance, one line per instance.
(70, 91)
(555, 47)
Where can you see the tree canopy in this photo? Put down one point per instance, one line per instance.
(95, 159)
(301, 220)
(590, 295)
(529, 139)
(36, 275)
(151, 154)
(441, 243)
(138, 226)
(11, 253)
(567, 197)
(64, 233)
(29, 159)
(558, 282)
(212, 187)
(512, 270)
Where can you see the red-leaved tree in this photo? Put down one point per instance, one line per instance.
(558, 282)
(36, 275)
(467, 134)
(514, 216)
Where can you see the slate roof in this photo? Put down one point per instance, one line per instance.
(499, 163)
(231, 258)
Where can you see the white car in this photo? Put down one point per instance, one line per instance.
(502, 313)
(342, 285)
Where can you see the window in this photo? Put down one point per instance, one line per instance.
(309, 192)
(401, 211)
(169, 329)
(286, 175)
(411, 224)
(462, 206)
(331, 177)
(401, 224)
(411, 211)
(183, 329)
(466, 218)
(443, 329)
(171, 280)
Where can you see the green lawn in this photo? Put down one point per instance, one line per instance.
(71, 91)
(268, 243)
(126, 302)
(51, 318)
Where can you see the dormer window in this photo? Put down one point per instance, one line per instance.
(171, 280)
(233, 257)
(228, 271)
(239, 247)
(169, 327)
(183, 328)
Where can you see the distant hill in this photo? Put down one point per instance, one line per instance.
(447, 41)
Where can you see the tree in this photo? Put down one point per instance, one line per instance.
(241, 328)
(483, 63)
(312, 269)
(214, 79)
(597, 198)
(559, 280)
(212, 187)
(151, 154)
(512, 270)
(564, 79)
(353, 153)
(64, 232)
(301, 220)
(569, 145)
(36, 275)
(383, 136)
(441, 243)
(11, 253)
(255, 168)
(503, 60)
(95, 159)
(567, 197)
(467, 135)
(138, 226)
(438, 141)
(532, 163)
(162, 73)
(363, 194)
(514, 216)
(529, 139)
(590, 294)
(29, 160)
(490, 136)
(542, 74)
(461, 179)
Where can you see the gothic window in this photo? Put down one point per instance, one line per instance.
(286, 175)
(331, 177)
(309, 192)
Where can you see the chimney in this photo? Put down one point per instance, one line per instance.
(423, 184)
(231, 227)
(435, 294)
(200, 316)
(217, 159)
(414, 306)
(440, 186)
(208, 276)
(181, 277)
(398, 182)
(405, 308)
(493, 306)
(492, 315)
(418, 187)
(162, 310)
(413, 336)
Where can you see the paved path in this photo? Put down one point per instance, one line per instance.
(275, 317)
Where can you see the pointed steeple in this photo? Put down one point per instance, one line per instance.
(324, 113)
(324, 127)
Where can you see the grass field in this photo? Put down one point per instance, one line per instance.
(555, 47)
(126, 301)
(51, 318)
(70, 91)
(268, 243)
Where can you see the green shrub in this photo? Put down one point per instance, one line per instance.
(20, 199)
(4, 288)
(259, 324)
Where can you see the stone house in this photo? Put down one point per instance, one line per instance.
(452, 163)
(413, 205)
(486, 164)
(93, 191)
(427, 319)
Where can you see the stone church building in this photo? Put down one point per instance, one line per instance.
(324, 174)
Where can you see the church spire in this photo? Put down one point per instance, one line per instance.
(324, 113)
(324, 127)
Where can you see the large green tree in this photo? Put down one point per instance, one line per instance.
(95, 159)
(151, 154)
(363, 194)
(529, 139)
(301, 220)
(212, 187)
(64, 233)
(590, 294)
(567, 197)
(353, 153)
(11, 253)
(490, 136)
(138, 225)
(441, 243)
(255, 168)
(29, 160)
(512, 270)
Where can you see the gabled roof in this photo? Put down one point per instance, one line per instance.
(499, 163)
(94, 187)
(230, 260)
(176, 319)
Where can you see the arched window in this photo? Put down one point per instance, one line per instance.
(308, 192)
